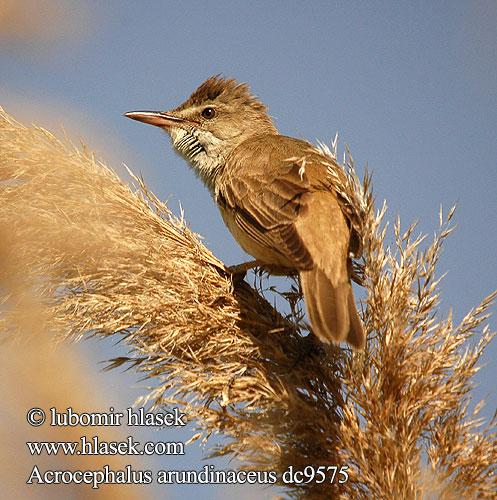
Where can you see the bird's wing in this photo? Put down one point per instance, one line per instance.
(266, 209)
(266, 189)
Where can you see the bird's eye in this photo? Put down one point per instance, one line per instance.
(209, 113)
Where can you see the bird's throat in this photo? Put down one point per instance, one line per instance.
(202, 151)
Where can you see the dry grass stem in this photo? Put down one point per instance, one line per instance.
(89, 256)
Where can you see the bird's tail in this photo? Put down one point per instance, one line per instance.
(332, 309)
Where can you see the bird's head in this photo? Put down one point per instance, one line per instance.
(216, 118)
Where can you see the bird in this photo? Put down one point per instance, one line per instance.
(275, 195)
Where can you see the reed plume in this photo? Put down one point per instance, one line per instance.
(87, 255)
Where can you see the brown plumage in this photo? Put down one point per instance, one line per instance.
(275, 195)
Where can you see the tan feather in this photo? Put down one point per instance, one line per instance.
(327, 305)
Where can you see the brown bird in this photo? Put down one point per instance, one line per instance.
(275, 195)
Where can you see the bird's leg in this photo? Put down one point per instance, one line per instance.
(243, 268)
(239, 271)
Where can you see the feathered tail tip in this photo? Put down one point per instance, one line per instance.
(332, 309)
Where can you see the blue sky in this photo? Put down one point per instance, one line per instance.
(411, 87)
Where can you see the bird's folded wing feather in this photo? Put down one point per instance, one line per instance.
(265, 201)
(272, 182)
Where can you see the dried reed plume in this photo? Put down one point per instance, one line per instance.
(100, 259)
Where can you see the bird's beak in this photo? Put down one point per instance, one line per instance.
(158, 118)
